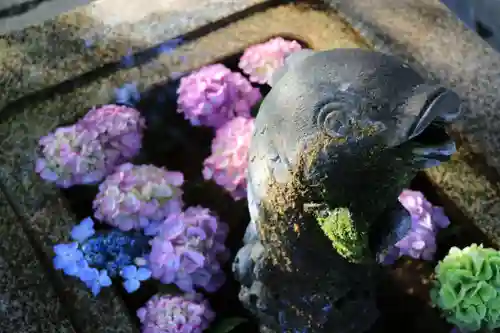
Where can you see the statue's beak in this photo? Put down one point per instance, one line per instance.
(423, 120)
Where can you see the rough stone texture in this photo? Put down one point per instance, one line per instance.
(430, 37)
(17, 14)
(28, 300)
(23, 122)
(58, 50)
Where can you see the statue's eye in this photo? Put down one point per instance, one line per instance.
(333, 119)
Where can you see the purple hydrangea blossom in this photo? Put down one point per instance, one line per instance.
(214, 95)
(260, 61)
(120, 129)
(189, 313)
(73, 155)
(228, 164)
(136, 196)
(88, 151)
(426, 221)
(189, 250)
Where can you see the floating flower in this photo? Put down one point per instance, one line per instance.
(127, 94)
(119, 127)
(134, 276)
(189, 250)
(69, 258)
(176, 314)
(214, 95)
(114, 250)
(426, 220)
(135, 196)
(228, 164)
(261, 60)
(95, 279)
(84, 230)
(73, 155)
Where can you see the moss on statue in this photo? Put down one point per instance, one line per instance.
(339, 227)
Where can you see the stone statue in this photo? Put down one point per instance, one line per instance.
(338, 137)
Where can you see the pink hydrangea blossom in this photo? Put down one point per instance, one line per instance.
(136, 196)
(189, 250)
(261, 60)
(189, 313)
(119, 128)
(228, 163)
(73, 155)
(214, 95)
(426, 221)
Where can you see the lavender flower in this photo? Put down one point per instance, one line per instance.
(136, 196)
(176, 314)
(114, 250)
(119, 127)
(214, 95)
(72, 155)
(228, 164)
(420, 242)
(260, 61)
(189, 250)
(134, 276)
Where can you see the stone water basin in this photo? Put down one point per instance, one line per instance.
(49, 213)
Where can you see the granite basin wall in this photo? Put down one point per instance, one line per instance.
(38, 110)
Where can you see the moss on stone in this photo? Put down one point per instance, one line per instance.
(339, 227)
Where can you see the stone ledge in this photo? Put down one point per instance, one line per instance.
(21, 127)
(431, 38)
(59, 49)
(28, 300)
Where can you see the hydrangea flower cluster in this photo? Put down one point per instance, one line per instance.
(261, 60)
(138, 196)
(467, 288)
(228, 163)
(120, 128)
(190, 313)
(73, 155)
(96, 257)
(189, 250)
(214, 95)
(426, 221)
(87, 151)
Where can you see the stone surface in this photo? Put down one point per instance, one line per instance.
(480, 16)
(22, 123)
(100, 33)
(29, 302)
(18, 14)
(431, 38)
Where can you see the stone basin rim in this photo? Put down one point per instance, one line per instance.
(42, 206)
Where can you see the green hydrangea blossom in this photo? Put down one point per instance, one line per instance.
(467, 288)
